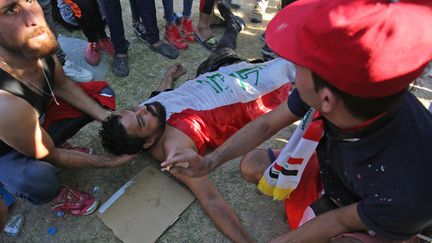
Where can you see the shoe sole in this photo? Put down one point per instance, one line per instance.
(225, 10)
(92, 208)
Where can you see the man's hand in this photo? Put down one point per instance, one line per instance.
(187, 162)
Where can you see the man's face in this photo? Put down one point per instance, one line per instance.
(24, 30)
(144, 121)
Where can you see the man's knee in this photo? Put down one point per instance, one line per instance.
(254, 163)
(38, 184)
(248, 169)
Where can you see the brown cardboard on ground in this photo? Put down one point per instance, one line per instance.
(147, 208)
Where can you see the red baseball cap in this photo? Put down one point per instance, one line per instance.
(366, 48)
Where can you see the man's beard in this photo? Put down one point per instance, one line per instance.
(46, 47)
(158, 110)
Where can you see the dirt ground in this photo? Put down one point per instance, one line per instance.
(263, 218)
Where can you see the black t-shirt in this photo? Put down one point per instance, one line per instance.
(384, 167)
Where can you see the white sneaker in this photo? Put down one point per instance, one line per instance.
(76, 73)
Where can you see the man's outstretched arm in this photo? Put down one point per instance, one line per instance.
(326, 226)
(222, 215)
(246, 139)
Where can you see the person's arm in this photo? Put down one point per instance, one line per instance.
(222, 215)
(246, 139)
(3, 215)
(20, 129)
(75, 96)
(326, 226)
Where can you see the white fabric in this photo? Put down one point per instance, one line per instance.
(240, 82)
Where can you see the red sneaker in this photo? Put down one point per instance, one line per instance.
(172, 35)
(74, 202)
(107, 46)
(188, 30)
(82, 149)
(91, 54)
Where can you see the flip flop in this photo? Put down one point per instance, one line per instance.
(209, 43)
(222, 23)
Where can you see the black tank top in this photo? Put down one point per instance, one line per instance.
(39, 102)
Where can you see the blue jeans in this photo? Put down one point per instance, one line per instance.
(36, 180)
(169, 9)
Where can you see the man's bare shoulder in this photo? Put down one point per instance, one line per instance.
(172, 138)
(13, 108)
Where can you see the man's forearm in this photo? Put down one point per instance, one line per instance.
(246, 139)
(75, 96)
(326, 227)
(74, 159)
(226, 220)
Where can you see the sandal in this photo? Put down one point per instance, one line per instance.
(209, 43)
(74, 202)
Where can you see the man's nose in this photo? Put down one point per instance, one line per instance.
(31, 18)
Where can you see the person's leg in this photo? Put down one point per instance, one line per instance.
(147, 10)
(172, 32)
(115, 24)
(29, 178)
(120, 66)
(234, 25)
(186, 23)
(254, 163)
(258, 11)
(134, 11)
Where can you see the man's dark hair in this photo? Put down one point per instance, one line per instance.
(361, 108)
(116, 140)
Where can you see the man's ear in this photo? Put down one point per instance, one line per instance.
(329, 100)
(149, 142)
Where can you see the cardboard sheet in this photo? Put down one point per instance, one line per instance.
(147, 207)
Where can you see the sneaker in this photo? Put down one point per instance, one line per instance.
(139, 30)
(231, 20)
(258, 11)
(173, 36)
(120, 66)
(268, 53)
(76, 73)
(74, 202)
(107, 46)
(188, 29)
(82, 149)
(91, 54)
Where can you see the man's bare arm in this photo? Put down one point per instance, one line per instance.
(326, 226)
(246, 139)
(75, 96)
(222, 215)
(20, 129)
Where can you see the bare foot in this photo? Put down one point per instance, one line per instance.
(203, 33)
(172, 74)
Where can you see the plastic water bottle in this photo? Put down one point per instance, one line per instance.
(14, 225)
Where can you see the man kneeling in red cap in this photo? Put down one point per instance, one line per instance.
(355, 60)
